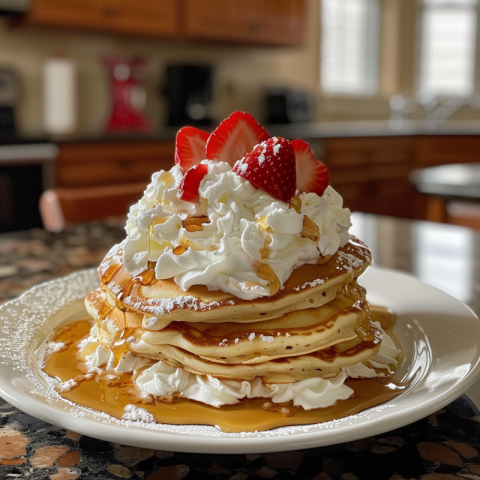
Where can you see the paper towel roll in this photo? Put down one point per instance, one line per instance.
(59, 96)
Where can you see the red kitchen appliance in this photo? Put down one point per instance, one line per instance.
(126, 75)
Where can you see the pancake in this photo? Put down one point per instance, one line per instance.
(324, 363)
(327, 330)
(294, 333)
(162, 301)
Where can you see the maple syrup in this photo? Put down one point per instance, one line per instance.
(111, 393)
(195, 224)
(310, 229)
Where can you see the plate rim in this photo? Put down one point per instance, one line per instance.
(194, 443)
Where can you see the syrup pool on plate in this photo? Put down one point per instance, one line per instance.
(110, 392)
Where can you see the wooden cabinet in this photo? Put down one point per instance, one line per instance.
(371, 173)
(71, 13)
(110, 163)
(208, 20)
(444, 149)
(149, 17)
(139, 17)
(270, 22)
(283, 22)
(260, 22)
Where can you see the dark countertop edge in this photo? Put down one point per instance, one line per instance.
(166, 134)
(40, 152)
(374, 128)
(312, 131)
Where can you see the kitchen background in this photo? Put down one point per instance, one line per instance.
(378, 87)
(242, 71)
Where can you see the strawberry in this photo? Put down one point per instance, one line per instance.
(234, 138)
(312, 174)
(190, 147)
(271, 167)
(188, 188)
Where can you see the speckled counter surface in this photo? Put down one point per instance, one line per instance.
(443, 446)
(30, 257)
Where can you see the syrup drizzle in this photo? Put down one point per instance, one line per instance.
(111, 393)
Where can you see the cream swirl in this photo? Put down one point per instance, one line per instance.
(163, 380)
(246, 229)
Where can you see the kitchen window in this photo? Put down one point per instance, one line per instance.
(350, 46)
(448, 31)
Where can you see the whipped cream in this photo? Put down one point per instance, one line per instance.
(128, 362)
(162, 380)
(247, 228)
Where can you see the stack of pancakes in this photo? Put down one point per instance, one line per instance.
(317, 324)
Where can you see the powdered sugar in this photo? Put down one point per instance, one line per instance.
(66, 386)
(314, 283)
(163, 306)
(137, 414)
(261, 158)
(348, 261)
(55, 347)
(276, 146)
(242, 168)
(151, 322)
(114, 287)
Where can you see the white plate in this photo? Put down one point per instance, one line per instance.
(439, 337)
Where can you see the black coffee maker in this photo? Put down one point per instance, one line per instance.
(188, 90)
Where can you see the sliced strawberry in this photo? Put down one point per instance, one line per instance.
(271, 167)
(190, 147)
(234, 138)
(188, 188)
(312, 174)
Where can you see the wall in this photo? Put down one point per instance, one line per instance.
(242, 73)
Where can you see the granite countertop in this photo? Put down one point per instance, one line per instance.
(443, 446)
(34, 256)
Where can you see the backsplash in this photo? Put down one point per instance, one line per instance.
(242, 73)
